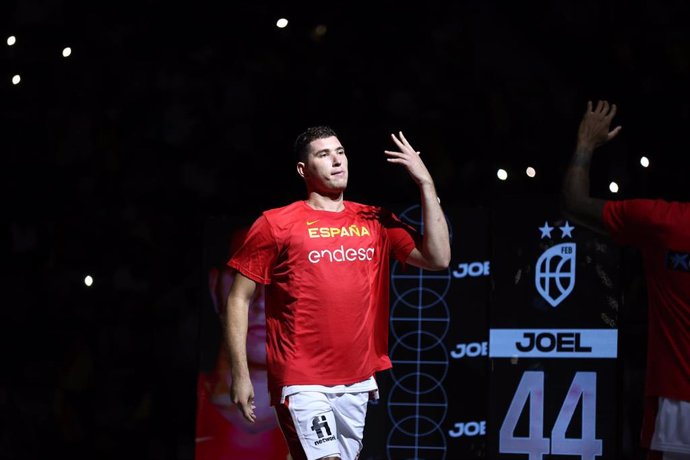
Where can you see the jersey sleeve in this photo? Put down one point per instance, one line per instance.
(257, 255)
(634, 222)
(403, 237)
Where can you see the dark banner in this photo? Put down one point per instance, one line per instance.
(434, 401)
(553, 336)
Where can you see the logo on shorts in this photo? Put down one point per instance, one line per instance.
(319, 424)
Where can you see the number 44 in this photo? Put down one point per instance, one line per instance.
(531, 386)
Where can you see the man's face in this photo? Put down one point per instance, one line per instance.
(325, 170)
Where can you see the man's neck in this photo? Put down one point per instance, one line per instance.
(333, 203)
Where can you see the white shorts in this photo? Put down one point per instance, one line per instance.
(672, 427)
(317, 424)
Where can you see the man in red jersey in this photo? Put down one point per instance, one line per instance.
(325, 264)
(661, 231)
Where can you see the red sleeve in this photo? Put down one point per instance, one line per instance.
(634, 222)
(257, 255)
(403, 237)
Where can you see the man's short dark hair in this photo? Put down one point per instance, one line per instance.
(302, 142)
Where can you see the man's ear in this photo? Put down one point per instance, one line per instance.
(213, 279)
(300, 168)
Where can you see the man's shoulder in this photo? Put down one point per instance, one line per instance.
(648, 206)
(287, 210)
(373, 213)
(366, 208)
(285, 217)
(645, 217)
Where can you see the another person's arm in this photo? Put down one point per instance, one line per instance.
(594, 131)
(241, 390)
(434, 252)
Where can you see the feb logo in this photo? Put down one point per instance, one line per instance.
(554, 275)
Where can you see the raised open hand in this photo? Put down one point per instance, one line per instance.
(594, 128)
(409, 158)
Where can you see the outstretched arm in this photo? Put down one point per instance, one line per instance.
(434, 253)
(594, 131)
(241, 390)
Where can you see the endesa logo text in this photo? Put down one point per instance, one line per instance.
(341, 254)
(338, 232)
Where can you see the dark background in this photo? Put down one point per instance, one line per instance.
(167, 113)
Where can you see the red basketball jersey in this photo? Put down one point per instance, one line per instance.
(327, 277)
(661, 231)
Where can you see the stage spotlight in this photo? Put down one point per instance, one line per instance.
(644, 161)
(66, 52)
(16, 79)
(282, 23)
(502, 174)
(530, 172)
(613, 187)
(11, 40)
(88, 280)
